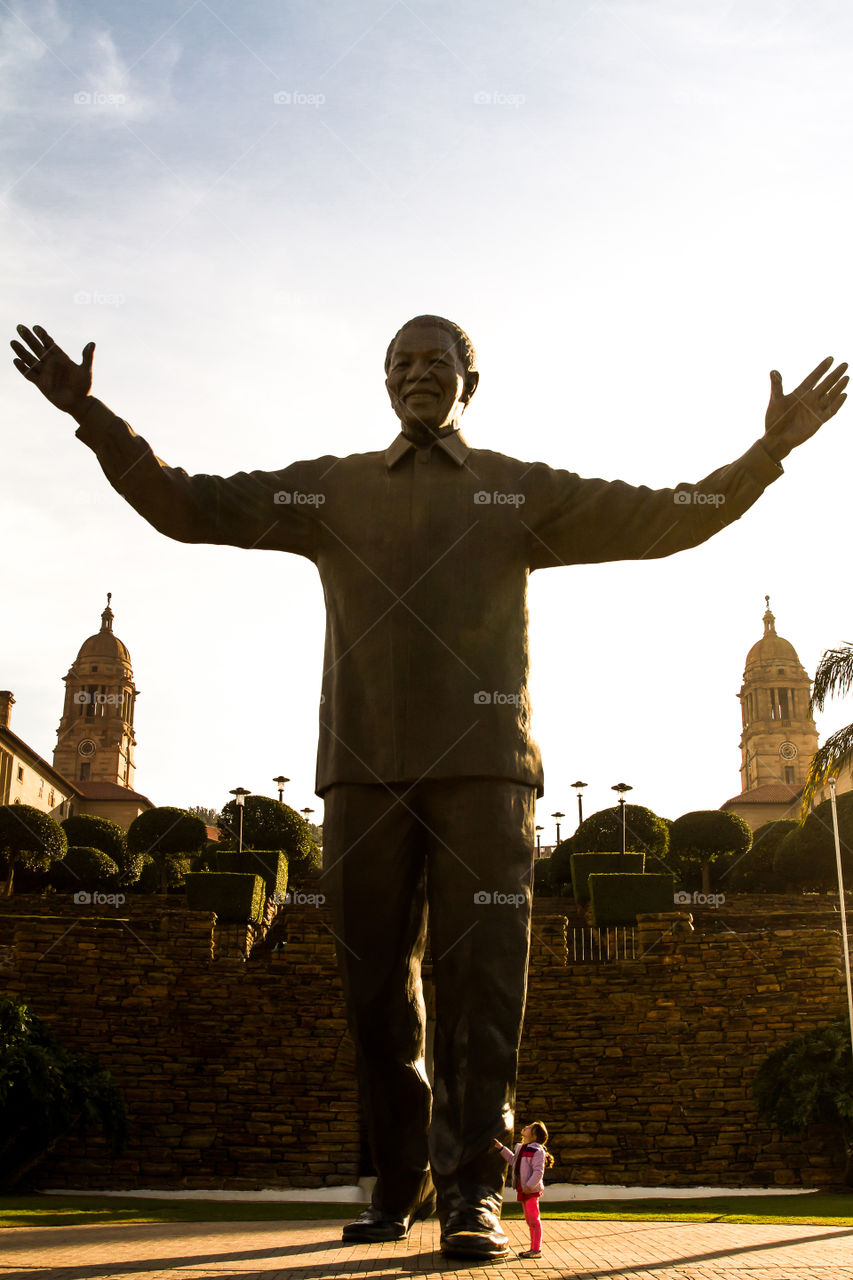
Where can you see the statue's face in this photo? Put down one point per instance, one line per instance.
(426, 380)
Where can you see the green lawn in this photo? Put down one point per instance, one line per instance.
(63, 1211)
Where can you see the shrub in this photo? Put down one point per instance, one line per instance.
(270, 864)
(234, 896)
(85, 830)
(809, 1080)
(30, 839)
(83, 868)
(754, 872)
(583, 865)
(619, 898)
(166, 830)
(165, 873)
(45, 1093)
(270, 824)
(602, 831)
(710, 839)
(543, 883)
(806, 857)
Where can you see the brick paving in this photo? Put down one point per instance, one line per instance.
(313, 1251)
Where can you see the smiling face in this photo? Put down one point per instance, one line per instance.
(427, 382)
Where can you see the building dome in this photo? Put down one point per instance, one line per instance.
(104, 644)
(771, 648)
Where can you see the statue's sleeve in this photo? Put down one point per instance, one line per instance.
(249, 509)
(582, 521)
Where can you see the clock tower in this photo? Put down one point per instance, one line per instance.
(779, 733)
(95, 739)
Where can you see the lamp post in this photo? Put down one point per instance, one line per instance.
(558, 816)
(306, 811)
(279, 782)
(539, 842)
(240, 794)
(578, 789)
(622, 787)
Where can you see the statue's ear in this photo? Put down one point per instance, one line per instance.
(472, 379)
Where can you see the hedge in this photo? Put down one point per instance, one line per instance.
(84, 868)
(235, 896)
(586, 864)
(269, 863)
(618, 898)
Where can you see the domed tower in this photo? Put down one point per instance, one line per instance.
(95, 738)
(779, 733)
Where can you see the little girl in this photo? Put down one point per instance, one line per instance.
(529, 1160)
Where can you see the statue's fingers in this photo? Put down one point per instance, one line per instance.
(88, 355)
(834, 378)
(834, 405)
(811, 380)
(26, 356)
(30, 338)
(43, 335)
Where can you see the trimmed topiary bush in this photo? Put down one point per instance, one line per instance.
(83, 868)
(235, 897)
(86, 831)
(806, 857)
(543, 882)
(583, 865)
(619, 898)
(602, 831)
(271, 864)
(754, 871)
(270, 824)
(29, 839)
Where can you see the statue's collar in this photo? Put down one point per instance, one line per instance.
(454, 445)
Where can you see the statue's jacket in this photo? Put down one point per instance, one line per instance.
(424, 556)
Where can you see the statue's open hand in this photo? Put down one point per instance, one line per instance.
(792, 418)
(64, 383)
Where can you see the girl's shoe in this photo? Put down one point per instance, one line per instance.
(530, 1253)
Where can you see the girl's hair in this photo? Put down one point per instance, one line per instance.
(541, 1135)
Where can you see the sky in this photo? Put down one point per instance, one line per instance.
(635, 210)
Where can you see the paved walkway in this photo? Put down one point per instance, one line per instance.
(312, 1251)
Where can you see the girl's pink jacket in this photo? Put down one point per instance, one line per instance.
(531, 1170)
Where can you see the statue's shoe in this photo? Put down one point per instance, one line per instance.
(373, 1226)
(473, 1232)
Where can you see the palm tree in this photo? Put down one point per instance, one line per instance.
(834, 676)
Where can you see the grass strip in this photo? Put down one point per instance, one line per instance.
(820, 1208)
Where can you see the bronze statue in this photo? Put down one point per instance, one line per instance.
(426, 762)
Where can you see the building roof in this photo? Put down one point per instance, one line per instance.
(771, 648)
(108, 791)
(22, 748)
(104, 644)
(770, 793)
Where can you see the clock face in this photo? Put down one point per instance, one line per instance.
(788, 751)
(86, 748)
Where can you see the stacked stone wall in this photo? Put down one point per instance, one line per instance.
(240, 1074)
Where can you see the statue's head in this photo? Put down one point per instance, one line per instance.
(431, 374)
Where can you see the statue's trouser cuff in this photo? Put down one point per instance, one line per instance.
(465, 848)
